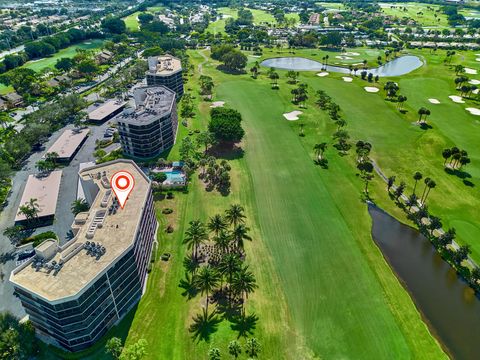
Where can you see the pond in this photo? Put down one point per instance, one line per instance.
(397, 67)
(447, 303)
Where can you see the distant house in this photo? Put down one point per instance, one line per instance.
(12, 99)
(314, 19)
(104, 57)
(58, 80)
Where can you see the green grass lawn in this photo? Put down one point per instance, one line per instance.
(259, 16)
(5, 89)
(332, 5)
(413, 10)
(68, 52)
(131, 21)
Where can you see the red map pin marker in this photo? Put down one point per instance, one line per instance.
(122, 183)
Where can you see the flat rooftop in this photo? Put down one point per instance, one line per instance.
(164, 65)
(68, 143)
(116, 234)
(45, 189)
(106, 110)
(151, 103)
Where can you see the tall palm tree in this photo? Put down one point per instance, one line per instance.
(426, 181)
(235, 215)
(243, 284)
(222, 241)
(229, 265)
(195, 236)
(320, 149)
(431, 184)
(216, 224)
(390, 182)
(239, 234)
(206, 281)
(417, 176)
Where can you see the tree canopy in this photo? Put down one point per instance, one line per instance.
(225, 125)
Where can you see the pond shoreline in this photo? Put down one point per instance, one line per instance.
(448, 306)
(399, 66)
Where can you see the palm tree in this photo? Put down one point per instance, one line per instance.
(235, 215)
(79, 205)
(206, 281)
(234, 348)
(195, 236)
(239, 234)
(426, 181)
(243, 284)
(190, 264)
(390, 182)
(446, 154)
(214, 354)
(216, 224)
(417, 176)
(252, 348)
(222, 241)
(320, 149)
(431, 184)
(30, 209)
(229, 265)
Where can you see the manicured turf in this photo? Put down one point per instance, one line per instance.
(68, 52)
(131, 21)
(4, 89)
(414, 11)
(343, 300)
(259, 16)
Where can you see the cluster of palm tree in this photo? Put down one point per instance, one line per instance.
(30, 210)
(364, 164)
(206, 85)
(391, 88)
(325, 102)
(215, 175)
(458, 158)
(293, 76)
(273, 76)
(300, 94)
(255, 69)
(252, 349)
(325, 62)
(422, 115)
(369, 76)
(461, 80)
(216, 267)
(413, 199)
(48, 164)
(319, 150)
(448, 58)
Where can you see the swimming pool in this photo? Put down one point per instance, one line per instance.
(174, 176)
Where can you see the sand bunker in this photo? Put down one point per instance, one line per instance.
(371, 89)
(470, 71)
(475, 91)
(478, 59)
(323, 74)
(434, 101)
(216, 104)
(351, 53)
(293, 115)
(347, 78)
(474, 82)
(473, 111)
(341, 57)
(457, 99)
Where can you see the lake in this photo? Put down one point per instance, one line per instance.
(447, 303)
(397, 67)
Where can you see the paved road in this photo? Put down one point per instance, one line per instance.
(64, 216)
